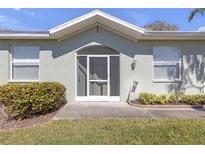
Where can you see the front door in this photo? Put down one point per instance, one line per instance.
(97, 78)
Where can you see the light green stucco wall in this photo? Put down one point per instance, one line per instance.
(57, 62)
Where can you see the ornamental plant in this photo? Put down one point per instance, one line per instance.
(31, 99)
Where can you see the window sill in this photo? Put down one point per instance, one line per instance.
(166, 81)
(23, 81)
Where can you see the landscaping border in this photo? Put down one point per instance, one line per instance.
(198, 106)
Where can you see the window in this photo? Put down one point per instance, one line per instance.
(166, 63)
(25, 63)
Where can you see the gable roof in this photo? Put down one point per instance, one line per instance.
(96, 18)
(103, 19)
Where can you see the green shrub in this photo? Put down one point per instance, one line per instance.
(26, 100)
(175, 98)
(147, 98)
(161, 99)
(193, 99)
(178, 98)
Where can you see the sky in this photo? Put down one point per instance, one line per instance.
(23, 19)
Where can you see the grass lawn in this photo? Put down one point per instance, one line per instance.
(125, 131)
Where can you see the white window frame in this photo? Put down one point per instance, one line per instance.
(23, 62)
(168, 63)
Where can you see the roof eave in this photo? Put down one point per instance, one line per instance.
(25, 36)
(174, 35)
(171, 38)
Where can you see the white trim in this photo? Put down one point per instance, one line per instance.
(30, 61)
(10, 61)
(99, 98)
(166, 62)
(108, 76)
(91, 19)
(166, 81)
(204, 87)
(23, 62)
(78, 55)
(98, 55)
(75, 70)
(98, 80)
(23, 81)
(25, 36)
(88, 76)
(96, 14)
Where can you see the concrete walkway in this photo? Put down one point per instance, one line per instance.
(113, 110)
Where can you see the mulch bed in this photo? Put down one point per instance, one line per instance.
(135, 103)
(12, 124)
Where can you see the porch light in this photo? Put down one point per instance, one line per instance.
(134, 63)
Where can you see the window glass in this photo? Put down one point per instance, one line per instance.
(166, 63)
(25, 63)
(25, 72)
(166, 72)
(166, 54)
(26, 52)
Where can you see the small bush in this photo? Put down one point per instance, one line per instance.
(147, 98)
(178, 98)
(26, 100)
(193, 99)
(161, 99)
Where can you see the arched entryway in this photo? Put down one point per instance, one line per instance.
(98, 74)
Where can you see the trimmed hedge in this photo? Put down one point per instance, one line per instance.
(178, 98)
(26, 100)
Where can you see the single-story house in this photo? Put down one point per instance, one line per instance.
(99, 57)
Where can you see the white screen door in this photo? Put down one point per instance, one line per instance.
(98, 76)
(95, 81)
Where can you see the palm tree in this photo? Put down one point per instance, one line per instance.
(195, 12)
